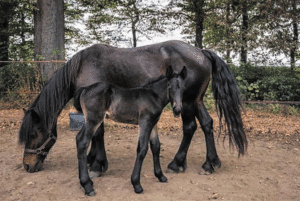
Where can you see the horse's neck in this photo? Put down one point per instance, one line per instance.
(51, 102)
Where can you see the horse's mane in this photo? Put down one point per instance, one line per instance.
(53, 97)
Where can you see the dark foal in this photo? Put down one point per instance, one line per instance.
(142, 106)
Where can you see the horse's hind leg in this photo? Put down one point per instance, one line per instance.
(206, 122)
(189, 128)
(155, 148)
(99, 163)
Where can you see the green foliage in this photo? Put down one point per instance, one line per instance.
(168, 107)
(209, 101)
(19, 77)
(280, 88)
(112, 20)
(274, 108)
(267, 83)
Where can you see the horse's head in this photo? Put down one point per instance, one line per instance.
(37, 139)
(176, 88)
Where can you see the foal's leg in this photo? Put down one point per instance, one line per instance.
(93, 151)
(155, 148)
(206, 122)
(99, 164)
(144, 134)
(189, 127)
(83, 139)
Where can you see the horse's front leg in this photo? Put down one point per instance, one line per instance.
(145, 129)
(189, 127)
(155, 148)
(83, 139)
(97, 156)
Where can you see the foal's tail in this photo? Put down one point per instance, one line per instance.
(228, 102)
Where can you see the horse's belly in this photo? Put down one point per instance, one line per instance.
(123, 114)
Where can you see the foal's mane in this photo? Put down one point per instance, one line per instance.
(150, 82)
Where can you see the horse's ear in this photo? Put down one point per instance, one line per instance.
(183, 73)
(169, 72)
(35, 117)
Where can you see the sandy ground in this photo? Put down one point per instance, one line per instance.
(270, 170)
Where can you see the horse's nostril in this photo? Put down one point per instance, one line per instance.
(26, 167)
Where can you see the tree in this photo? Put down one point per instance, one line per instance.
(49, 34)
(7, 12)
(196, 12)
(220, 30)
(112, 20)
(283, 25)
(237, 25)
(21, 32)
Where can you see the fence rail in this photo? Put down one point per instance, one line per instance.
(274, 102)
(51, 61)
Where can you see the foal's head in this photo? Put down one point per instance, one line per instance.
(176, 88)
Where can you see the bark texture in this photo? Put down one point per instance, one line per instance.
(49, 34)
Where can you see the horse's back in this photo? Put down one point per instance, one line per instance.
(133, 67)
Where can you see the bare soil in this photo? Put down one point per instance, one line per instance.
(270, 170)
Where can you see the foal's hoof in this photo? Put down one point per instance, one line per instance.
(163, 179)
(94, 174)
(138, 189)
(92, 193)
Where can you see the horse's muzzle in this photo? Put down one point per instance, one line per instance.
(33, 168)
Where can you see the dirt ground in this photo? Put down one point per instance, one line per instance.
(270, 170)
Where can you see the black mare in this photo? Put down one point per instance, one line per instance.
(142, 106)
(133, 67)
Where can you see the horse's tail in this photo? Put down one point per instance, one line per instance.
(228, 102)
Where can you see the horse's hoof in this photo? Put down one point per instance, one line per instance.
(172, 171)
(138, 189)
(92, 193)
(94, 174)
(204, 172)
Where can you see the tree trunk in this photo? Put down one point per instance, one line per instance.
(244, 32)
(133, 29)
(199, 33)
(295, 38)
(134, 21)
(199, 22)
(4, 32)
(228, 33)
(49, 34)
